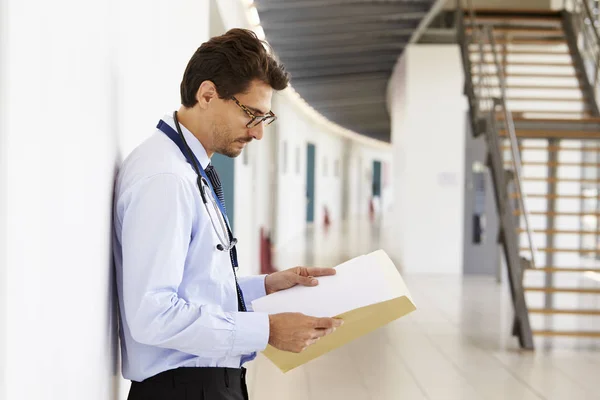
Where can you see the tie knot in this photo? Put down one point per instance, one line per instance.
(211, 172)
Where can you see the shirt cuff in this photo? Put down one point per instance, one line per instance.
(251, 332)
(253, 287)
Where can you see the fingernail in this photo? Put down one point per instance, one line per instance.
(314, 282)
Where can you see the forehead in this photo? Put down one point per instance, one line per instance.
(258, 96)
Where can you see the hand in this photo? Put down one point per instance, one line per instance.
(295, 332)
(295, 276)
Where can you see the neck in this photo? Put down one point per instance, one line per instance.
(189, 118)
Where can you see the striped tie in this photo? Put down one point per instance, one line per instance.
(211, 172)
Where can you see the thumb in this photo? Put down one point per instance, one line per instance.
(306, 280)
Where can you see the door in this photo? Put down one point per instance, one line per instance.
(310, 182)
(376, 179)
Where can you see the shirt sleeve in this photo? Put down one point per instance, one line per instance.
(157, 219)
(253, 287)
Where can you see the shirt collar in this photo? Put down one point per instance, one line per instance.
(192, 141)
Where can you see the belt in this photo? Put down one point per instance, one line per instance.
(202, 376)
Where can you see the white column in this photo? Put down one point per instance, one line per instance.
(427, 110)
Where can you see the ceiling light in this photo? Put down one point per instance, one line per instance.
(253, 16)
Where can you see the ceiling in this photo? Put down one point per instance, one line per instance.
(340, 53)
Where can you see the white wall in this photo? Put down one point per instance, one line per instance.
(86, 82)
(3, 189)
(293, 132)
(427, 110)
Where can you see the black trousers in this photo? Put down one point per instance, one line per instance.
(193, 384)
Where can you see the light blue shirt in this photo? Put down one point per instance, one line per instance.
(177, 293)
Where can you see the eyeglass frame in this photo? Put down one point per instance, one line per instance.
(253, 117)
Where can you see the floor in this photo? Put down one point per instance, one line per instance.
(456, 346)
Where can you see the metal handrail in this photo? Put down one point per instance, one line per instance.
(487, 33)
(591, 17)
(516, 157)
(591, 43)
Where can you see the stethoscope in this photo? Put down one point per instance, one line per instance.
(208, 195)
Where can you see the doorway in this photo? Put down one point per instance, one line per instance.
(310, 182)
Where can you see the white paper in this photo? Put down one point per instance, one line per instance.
(360, 282)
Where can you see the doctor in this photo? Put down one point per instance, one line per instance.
(186, 326)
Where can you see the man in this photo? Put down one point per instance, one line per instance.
(185, 327)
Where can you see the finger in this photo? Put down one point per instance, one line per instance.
(314, 271)
(319, 333)
(327, 323)
(306, 280)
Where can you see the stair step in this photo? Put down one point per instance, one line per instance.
(529, 74)
(557, 311)
(585, 120)
(562, 290)
(552, 134)
(518, 213)
(553, 250)
(515, 13)
(516, 29)
(520, 30)
(511, 52)
(568, 115)
(544, 99)
(554, 148)
(528, 41)
(539, 87)
(567, 333)
(485, 15)
(524, 63)
(551, 196)
(516, 22)
(560, 231)
(557, 180)
(558, 164)
(564, 269)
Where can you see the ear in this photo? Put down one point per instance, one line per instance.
(206, 93)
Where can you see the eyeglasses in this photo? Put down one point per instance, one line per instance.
(255, 120)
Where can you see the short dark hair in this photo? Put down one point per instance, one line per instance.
(232, 61)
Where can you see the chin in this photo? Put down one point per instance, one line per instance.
(231, 153)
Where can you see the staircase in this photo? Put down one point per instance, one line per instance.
(532, 94)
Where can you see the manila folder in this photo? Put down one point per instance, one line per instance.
(367, 292)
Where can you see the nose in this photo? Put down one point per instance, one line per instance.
(257, 131)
